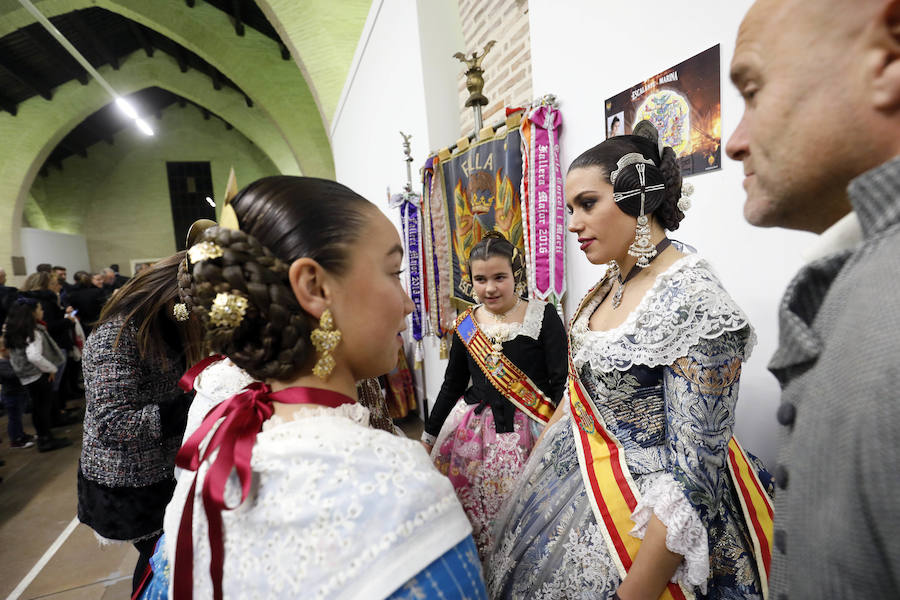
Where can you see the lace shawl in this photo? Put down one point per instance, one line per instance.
(686, 303)
(336, 510)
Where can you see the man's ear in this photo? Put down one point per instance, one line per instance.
(884, 50)
(308, 282)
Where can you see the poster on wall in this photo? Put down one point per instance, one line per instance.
(482, 192)
(684, 103)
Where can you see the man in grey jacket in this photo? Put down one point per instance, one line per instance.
(819, 141)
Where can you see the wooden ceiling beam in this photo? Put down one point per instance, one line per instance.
(8, 105)
(190, 3)
(181, 57)
(216, 78)
(79, 150)
(63, 59)
(285, 53)
(138, 32)
(32, 83)
(248, 101)
(97, 41)
(236, 13)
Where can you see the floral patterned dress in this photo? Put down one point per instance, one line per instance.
(665, 383)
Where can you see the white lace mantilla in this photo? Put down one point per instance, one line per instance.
(336, 510)
(687, 303)
(685, 533)
(529, 327)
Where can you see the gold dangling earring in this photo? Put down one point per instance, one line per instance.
(325, 338)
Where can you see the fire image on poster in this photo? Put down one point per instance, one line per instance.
(684, 103)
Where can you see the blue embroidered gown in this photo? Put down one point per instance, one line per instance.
(666, 383)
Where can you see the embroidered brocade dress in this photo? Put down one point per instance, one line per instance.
(484, 440)
(665, 383)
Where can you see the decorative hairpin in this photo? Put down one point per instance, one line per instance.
(181, 312)
(684, 203)
(228, 310)
(632, 158)
(204, 251)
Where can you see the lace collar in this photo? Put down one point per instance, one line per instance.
(529, 327)
(685, 304)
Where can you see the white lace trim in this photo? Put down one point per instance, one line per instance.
(357, 413)
(687, 303)
(685, 533)
(217, 382)
(529, 327)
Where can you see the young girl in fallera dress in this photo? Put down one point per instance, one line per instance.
(295, 495)
(481, 435)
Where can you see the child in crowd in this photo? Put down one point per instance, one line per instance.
(13, 395)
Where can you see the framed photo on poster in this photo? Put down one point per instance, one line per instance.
(684, 103)
(137, 264)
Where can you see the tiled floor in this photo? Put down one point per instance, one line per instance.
(38, 503)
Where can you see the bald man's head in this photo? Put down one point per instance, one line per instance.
(808, 72)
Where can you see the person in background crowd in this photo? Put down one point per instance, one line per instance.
(112, 280)
(36, 359)
(8, 295)
(44, 287)
(44, 268)
(87, 299)
(14, 396)
(61, 274)
(806, 70)
(136, 413)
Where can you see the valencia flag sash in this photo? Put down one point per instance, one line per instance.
(614, 495)
(505, 376)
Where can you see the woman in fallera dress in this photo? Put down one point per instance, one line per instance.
(288, 491)
(629, 494)
(514, 353)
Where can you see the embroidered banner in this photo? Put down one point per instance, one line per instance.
(482, 192)
(408, 203)
(543, 204)
(503, 374)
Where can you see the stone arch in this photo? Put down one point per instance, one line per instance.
(48, 122)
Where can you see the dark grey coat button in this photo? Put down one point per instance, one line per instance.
(780, 540)
(781, 476)
(787, 412)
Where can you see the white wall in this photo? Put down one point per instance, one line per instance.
(586, 51)
(63, 249)
(403, 78)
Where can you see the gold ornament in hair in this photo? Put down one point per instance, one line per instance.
(228, 310)
(204, 251)
(228, 219)
(181, 312)
(325, 338)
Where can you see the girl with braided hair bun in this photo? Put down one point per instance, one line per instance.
(637, 488)
(287, 490)
(514, 353)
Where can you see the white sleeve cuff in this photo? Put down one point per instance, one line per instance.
(428, 438)
(685, 533)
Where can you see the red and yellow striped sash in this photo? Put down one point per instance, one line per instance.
(505, 376)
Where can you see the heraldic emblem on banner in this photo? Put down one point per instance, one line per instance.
(481, 192)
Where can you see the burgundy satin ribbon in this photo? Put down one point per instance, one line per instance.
(244, 414)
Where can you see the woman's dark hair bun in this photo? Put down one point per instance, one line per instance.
(281, 219)
(662, 204)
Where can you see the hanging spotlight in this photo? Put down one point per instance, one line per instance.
(211, 201)
(142, 125)
(126, 107)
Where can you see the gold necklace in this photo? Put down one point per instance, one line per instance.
(502, 316)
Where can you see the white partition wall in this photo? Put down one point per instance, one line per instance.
(63, 249)
(403, 78)
(585, 52)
